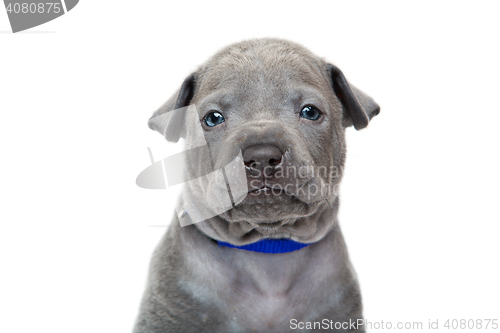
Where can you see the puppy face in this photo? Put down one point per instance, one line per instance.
(283, 111)
(270, 103)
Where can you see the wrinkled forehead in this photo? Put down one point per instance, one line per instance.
(262, 74)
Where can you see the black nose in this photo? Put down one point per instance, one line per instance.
(264, 158)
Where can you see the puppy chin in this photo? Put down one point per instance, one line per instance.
(264, 208)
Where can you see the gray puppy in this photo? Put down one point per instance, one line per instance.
(282, 109)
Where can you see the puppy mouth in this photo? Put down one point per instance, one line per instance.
(269, 190)
(261, 190)
(278, 189)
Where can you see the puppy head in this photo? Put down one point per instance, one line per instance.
(282, 111)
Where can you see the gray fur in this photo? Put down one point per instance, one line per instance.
(194, 284)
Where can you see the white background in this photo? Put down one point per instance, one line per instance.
(420, 195)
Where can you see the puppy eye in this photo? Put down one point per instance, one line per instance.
(213, 119)
(310, 113)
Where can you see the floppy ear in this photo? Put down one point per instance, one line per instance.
(359, 108)
(168, 119)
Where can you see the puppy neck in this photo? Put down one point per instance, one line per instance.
(306, 229)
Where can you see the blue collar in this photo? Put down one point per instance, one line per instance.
(269, 246)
